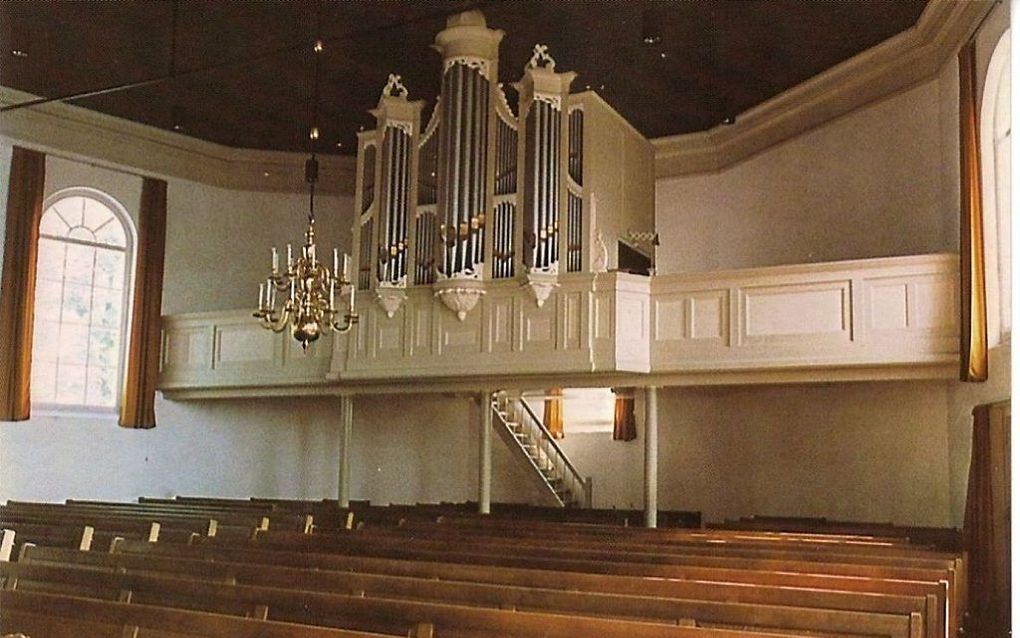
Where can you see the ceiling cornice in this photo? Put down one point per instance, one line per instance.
(78, 133)
(900, 62)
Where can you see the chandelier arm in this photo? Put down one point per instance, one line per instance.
(345, 327)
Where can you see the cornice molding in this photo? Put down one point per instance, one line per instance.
(96, 138)
(901, 62)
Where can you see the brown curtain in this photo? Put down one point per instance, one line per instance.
(624, 426)
(137, 408)
(973, 320)
(986, 523)
(553, 417)
(17, 285)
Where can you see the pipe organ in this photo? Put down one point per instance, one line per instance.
(481, 193)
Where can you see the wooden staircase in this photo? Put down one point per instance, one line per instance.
(525, 433)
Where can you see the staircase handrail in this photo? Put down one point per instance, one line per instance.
(559, 452)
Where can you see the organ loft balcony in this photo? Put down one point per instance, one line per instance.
(498, 238)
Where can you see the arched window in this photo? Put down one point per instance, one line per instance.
(82, 301)
(996, 131)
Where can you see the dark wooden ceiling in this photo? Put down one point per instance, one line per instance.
(244, 68)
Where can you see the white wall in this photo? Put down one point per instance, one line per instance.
(876, 182)
(867, 452)
(224, 448)
(219, 241)
(424, 448)
(217, 249)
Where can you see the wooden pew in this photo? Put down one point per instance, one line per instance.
(887, 569)
(569, 536)
(789, 617)
(608, 562)
(225, 516)
(359, 612)
(540, 574)
(50, 616)
(947, 539)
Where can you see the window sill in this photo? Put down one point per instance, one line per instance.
(73, 412)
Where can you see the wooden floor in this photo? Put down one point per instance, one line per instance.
(267, 568)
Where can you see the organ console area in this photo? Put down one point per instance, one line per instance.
(487, 239)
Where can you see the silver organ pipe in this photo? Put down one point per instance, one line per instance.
(366, 225)
(575, 183)
(463, 150)
(505, 209)
(392, 252)
(574, 236)
(426, 237)
(425, 240)
(575, 161)
(502, 246)
(368, 179)
(542, 147)
(365, 255)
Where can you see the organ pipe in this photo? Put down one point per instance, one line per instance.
(463, 156)
(480, 192)
(392, 251)
(368, 178)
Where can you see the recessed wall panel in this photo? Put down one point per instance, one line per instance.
(793, 310)
(936, 304)
(889, 307)
(708, 318)
(244, 344)
(670, 318)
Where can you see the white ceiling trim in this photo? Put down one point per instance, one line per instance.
(900, 62)
(78, 133)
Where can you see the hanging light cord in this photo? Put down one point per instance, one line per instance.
(312, 165)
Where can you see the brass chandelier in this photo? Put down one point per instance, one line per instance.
(310, 288)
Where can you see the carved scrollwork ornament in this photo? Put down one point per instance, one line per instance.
(401, 125)
(541, 283)
(541, 54)
(501, 94)
(459, 292)
(555, 101)
(391, 296)
(471, 62)
(393, 84)
(432, 126)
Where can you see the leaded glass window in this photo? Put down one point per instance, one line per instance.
(81, 303)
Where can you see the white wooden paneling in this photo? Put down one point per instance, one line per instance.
(706, 316)
(670, 318)
(245, 344)
(889, 311)
(889, 306)
(811, 310)
(188, 348)
(881, 313)
(230, 349)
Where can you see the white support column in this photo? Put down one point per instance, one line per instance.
(651, 456)
(346, 424)
(485, 454)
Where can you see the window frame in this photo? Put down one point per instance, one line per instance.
(54, 409)
(998, 308)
